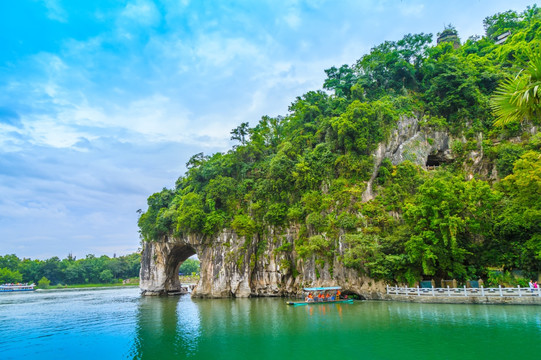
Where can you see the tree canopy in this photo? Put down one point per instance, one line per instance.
(69, 271)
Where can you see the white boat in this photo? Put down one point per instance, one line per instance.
(17, 287)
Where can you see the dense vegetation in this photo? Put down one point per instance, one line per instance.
(69, 271)
(310, 167)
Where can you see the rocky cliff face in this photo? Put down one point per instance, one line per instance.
(424, 146)
(235, 266)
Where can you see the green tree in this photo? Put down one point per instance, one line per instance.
(11, 262)
(519, 222)
(189, 266)
(240, 133)
(340, 80)
(446, 217)
(508, 153)
(10, 276)
(362, 126)
(150, 223)
(74, 274)
(393, 67)
(44, 283)
(51, 268)
(500, 23)
(31, 270)
(451, 83)
(191, 213)
(106, 276)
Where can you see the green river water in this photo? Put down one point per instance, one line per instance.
(121, 324)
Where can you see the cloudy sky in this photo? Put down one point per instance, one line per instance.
(103, 102)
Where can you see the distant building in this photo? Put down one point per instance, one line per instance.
(449, 35)
(500, 39)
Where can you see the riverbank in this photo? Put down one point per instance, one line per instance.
(489, 300)
(125, 283)
(93, 287)
(184, 280)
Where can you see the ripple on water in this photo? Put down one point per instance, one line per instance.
(65, 319)
(119, 323)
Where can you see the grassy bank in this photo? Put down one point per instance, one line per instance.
(188, 279)
(125, 283)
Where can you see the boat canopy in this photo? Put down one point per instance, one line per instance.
(323, 288)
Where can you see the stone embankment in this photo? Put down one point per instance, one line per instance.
(493, 300)
(464, 295)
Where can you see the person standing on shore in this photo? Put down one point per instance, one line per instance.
(531, 285)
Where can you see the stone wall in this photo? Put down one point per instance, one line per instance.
(492, 300)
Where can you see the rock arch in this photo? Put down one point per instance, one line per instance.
(160, 264)
(236, 266)
(219, 277)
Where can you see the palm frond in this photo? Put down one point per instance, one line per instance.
(518, 99)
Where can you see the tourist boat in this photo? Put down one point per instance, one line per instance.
(17, 287)
(321, 290)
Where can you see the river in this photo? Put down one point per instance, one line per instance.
(118, 323)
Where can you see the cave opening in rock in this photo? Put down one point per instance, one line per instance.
(352, 295)
(437, 159)
(176, 257)
(433, 160)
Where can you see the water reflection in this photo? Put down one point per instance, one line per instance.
(459, 315)
(266, 327)
(119, 323)
(185, 328)
(166, 327)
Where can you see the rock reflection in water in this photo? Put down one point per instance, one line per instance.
(185, 328)
(166, 327)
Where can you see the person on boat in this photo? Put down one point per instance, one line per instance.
(328, 297)
(310, 298)
(320, 297)
(337, 294)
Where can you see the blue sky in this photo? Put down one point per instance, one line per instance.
(103, 102)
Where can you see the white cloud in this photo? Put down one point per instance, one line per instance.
(217, 51)
(409, 9)
(44, 130)
(292, 19)
(315, 4)
(55, 11)
(142, 12)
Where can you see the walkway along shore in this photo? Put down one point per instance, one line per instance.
(499, 295)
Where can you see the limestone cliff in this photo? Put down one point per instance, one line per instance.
(421, 145)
